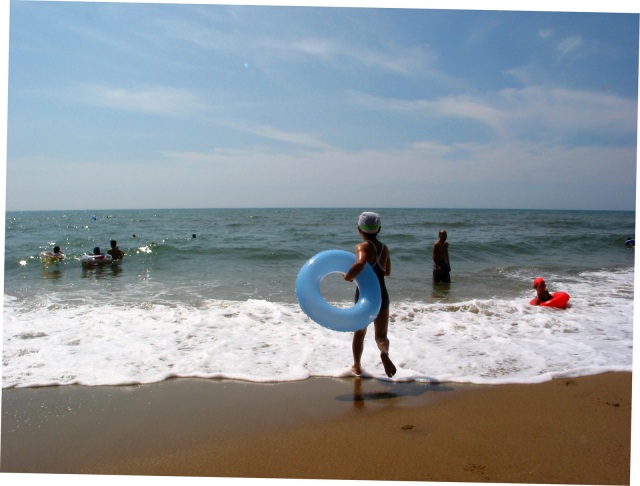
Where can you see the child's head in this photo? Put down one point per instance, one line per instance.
(369, 223)
(540, 285)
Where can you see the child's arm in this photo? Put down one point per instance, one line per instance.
(361, 261)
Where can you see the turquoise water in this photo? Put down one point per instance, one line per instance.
(236, 278)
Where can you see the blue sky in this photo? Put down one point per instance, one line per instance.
(122, 105)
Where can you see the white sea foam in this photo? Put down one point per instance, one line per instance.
(477, 341)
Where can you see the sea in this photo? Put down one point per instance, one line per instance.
(210, 293)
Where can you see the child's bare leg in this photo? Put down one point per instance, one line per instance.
(381, 324)
(357, 347)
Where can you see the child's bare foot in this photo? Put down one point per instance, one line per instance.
(389, 367)
(356, 369)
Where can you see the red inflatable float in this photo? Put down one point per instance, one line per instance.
(558, 299)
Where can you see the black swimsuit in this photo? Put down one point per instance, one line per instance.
(546, 297)
(379, 271)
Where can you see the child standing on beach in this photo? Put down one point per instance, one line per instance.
(377, 255)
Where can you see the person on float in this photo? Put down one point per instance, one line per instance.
(542, 294)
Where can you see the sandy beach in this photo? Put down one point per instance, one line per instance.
(567, 431)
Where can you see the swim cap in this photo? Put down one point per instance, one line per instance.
(369, 222)
(537, 281)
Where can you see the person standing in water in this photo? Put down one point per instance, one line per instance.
(115, 252)
(440, 255)
(376, 254)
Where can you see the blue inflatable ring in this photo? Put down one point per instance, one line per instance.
(318, 309)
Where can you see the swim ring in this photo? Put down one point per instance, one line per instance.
(319, 310)
(48, 257)
(87, 259)
(558, 299)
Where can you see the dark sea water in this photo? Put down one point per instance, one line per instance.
(222, 303)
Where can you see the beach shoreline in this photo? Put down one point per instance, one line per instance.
(566, 431)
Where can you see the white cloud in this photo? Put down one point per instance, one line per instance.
(158, 100)
(570, 44)
(517, 113)
(311, 140)
(529, 75)
(545, 33)
(269, 45)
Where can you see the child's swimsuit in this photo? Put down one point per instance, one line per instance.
(379, 271)
(546, 297)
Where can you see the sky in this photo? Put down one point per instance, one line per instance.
(159, 105)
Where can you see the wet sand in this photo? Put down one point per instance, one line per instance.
(567, 431)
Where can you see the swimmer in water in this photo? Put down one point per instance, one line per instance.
(115, 252)
(440, 256)
(58, 253)
(542, 294)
